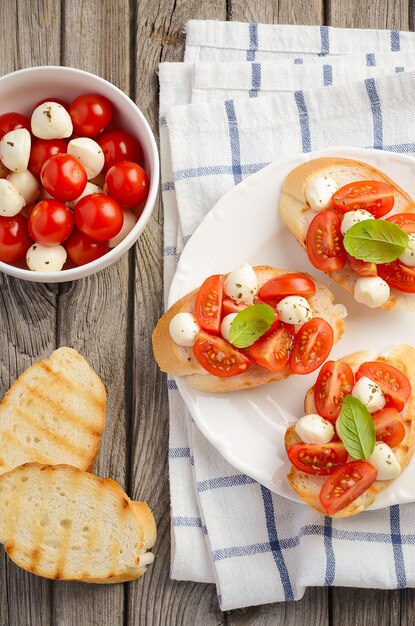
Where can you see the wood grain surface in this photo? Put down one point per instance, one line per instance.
(109, 318)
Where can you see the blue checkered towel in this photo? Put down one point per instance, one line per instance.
(220, 121)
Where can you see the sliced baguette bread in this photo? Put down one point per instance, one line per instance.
(53, 413)
(307, 486)
(63, 523)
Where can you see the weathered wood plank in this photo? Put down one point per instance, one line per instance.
(368, 14)
(280, 12)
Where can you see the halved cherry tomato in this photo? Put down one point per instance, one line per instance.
(208, 305)
(334, 382)
(394, 384)
(14, 238)
(405, 220)
(231, 306)
(389, 428)
(218, 357)
(398, 275)
(363, 268)
(294, 284)
(316, 458)
(312, 345)
(13, 121)
(272, 351)
(346, 484)
(325, 242)
(369, 195)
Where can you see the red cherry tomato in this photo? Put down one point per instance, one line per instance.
(389, 428)
(312, 345)
(13, 121)
(208, 305)
(118, 145)
(63, 177)
(127, 183)
(398, 275)
(218, 357)
(362, 268)
(325, 242)
(231, 306)
(316, 458)
(405, 220)
(346, 484)
(14, 238)
(91, 113)
(42, 150)
(394, 384)
(50, 222)
(272, 351)
(368, 195)
(287, 285)
(334, 382)
(98, 216)
(82, 249)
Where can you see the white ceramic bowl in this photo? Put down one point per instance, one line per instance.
(21, 90)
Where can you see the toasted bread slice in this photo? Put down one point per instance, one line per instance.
(53, 413)
(298, 215)
(179, 361)
(62, 523)
(308, 487)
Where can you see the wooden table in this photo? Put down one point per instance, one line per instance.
(109, 317)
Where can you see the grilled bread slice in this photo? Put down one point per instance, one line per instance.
(298, 215)
(53, 413)
(62, 523)
(179, 361)
(307, 486)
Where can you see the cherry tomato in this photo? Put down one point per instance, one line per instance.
(127, 183)
(389, 428)
(13, 121)
(14, 238)
(405, 220)
(312, 345)
(63, 177)
(325, 242)
(398, 275)
(91, 113)
(231, 306)
(272, 351)
(118, 145)
(287, 285)
(50, 222)
(218, 357)
(362, 268)
(369, 195)
(394, 384)
(334, 382)
(316, 458)
(57, 100)
(208, 305)
(98, 216)
(82, 249)
(42, 150)
(346, 484)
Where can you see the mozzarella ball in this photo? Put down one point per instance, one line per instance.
(89, 188)
(45, 258)
(369, 393)
(26, 184)
(242, 284)
(127, 226)
(89, 153)
(408, 256)
(354, 217)
(11, 200)
(4, 172)
(314, 429)
(384, 459)
(372, 291)
(294, 310)
(15, 149)
(226, 325)
(51, 120)
(183, 329)
(319, 192)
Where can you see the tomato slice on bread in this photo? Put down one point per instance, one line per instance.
(312, 345)
(405, 220)
(346, 484)
(316, 458)
(369, 195)
(218, 357)
(231, 306)
(398, 275)
(389, 428)
(208, 305)
(294, 284)
(334, 382)
(362, 268)
(325, 242)
(394, 384)
(272, 351)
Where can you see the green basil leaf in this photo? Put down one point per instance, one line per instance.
(376, 241)
(356, 428)
(250, 324)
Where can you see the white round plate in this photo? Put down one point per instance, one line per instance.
(247, 427)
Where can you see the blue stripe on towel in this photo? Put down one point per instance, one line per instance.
(328, 546)
(179, 453)
(395, 41)
(376, 113)
(327, 75)
(253, 42)
(395, 523)
(370, 60)
(234, 141)
(324, 41)
(189, 522)
(304, 121)
(224, 481)
(256, 80)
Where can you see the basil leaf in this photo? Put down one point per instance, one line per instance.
(356, 428)
(376, 241)
(250, 324)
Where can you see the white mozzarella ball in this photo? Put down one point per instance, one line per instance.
(408, 256)
(26, 184)
(354, 217)
(15, 149)
(242, 284)
(369, 393)
(226, 325)
(319, 192)
(314, 429)
(89, 188)
(183, 329)
(51, 120)
(385, 461)
(127, 226)
(372, 291)
(11, 200)
(294, 310)
(89, 153)
(4, 172)
(46, 258)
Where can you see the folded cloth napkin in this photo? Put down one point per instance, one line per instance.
(256, 546)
